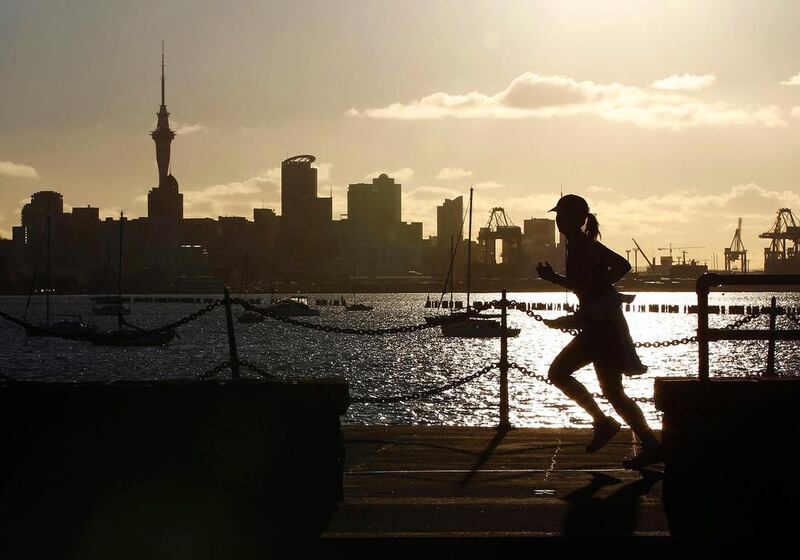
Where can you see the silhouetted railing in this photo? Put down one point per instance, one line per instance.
(705, 334)
(236, 364)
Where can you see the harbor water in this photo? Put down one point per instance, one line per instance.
(394, 364)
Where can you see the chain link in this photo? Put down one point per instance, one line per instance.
(574, 332)
(255, 369)
(180, 322)
(43, 331)
(664, 343)
(140, 331)
(529, 373)
(213, 371)
(741, 322)
(544, 379)
(418, 395)
(331, 329)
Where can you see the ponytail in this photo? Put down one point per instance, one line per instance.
(592, 227)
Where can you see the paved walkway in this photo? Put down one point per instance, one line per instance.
(443, 482)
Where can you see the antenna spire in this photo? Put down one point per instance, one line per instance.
(162, 73)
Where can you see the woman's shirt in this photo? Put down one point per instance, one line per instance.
(587, 270)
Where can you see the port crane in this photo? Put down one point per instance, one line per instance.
(779, 257)
(736, 252)
(500, 227)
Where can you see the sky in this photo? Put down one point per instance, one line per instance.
(673, 118)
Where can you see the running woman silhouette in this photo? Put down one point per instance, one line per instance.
(604, 339)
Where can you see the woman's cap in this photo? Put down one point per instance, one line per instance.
(571, 203)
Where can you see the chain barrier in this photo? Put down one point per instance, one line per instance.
(332, 329)
(179, 323)
(525, 371)
(418, 395)
(512, 304)
(214, 371)
(741, 322)
(574, 332)
(44, 331)
(546, 380)
(255, 369)
(663, 343)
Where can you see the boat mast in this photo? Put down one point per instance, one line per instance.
(469, 247)
(119, 274)
(47, 282)
(451, 273)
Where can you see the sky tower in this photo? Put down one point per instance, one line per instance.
(164, 202)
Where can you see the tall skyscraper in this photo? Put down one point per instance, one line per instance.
(450, 221)
(164, 202)
(373, 211)
(304, 239)
(540, 232)
(35, 213)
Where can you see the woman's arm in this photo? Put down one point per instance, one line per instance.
(546, 272)
(618, 266)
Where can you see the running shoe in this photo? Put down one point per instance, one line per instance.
(604, 430)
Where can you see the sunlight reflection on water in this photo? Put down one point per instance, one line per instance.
(394, 364)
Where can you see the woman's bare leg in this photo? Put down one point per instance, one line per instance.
(627, 409)
(572, 358)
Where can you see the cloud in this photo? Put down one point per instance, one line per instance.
(324, 172)
(540, 96)
(793, 81)
(402, 175)
(449, 173)
(599, 189)
(679, 214)
(18, 170)
(795, 111)
(685, 82)
(489, 185)
(190, 128)
(235, 198)
(238, 198)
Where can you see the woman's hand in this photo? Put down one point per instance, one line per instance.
(545, 271)
(565, 322)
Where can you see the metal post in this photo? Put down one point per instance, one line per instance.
(504, 423)
(234, 355)
(702, 332)
(771, 346)
(47, 285)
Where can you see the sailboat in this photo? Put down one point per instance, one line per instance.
(293, 306)
(356, 306)
(73, 327)
(470, 324)
(133, 336)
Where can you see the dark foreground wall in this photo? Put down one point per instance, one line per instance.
(167, 470)
(729, 447)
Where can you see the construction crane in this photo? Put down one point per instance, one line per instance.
(778, 257)
(736, 252)
(642, 252)
(670, 248)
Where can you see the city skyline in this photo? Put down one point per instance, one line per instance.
(679, 146)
